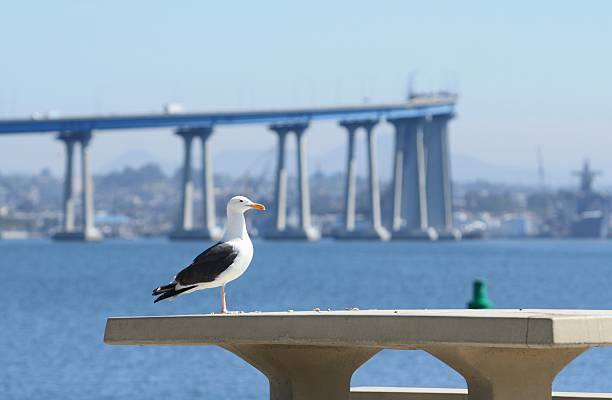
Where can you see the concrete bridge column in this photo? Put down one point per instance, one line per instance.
(351, 178)
(90, 231)
(280, 220)
(68, 221)
(376, 222)
(304, 189)
(398, 172)
(414, 188)
(185, 229)
(185, 221)
(439, 196)
(209, 225)
(376, 229)
(281, 230)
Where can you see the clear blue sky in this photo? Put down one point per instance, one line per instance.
(529, 73)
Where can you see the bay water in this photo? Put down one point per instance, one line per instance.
(55, 298)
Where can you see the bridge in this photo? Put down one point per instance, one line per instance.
(421, 174)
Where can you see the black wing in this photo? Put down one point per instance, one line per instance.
(208, 266)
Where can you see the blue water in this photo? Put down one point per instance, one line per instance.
(55, 298)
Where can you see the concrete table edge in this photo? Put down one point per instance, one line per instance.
(400, 329)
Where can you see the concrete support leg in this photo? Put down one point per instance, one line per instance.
(419, 146)
(281, 230)
(280, 221)
(185, 222)
(185, 229)
(305, 372)
(376, 230)
(414, 196)
(87, 187)
(439, 197)
(398, 174)
(446, 177)
(209, 225)
(351, 181)
(69, 230)
(304, 187)
(89, 230)
(507, 373)
(376, 222)
(68, 223)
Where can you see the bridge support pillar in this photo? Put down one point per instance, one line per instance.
(281, 230)
(209, 225)
(376, 230)
(305, 223)
(91, 233)
(439, 195)
(69, 231)
(410, 186)
(350, 192)
(376, 222)
(280, 221)
(68, 222)
(185, 229)
(185, 222)
(398, 174)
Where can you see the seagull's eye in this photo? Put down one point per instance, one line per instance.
(242, 201)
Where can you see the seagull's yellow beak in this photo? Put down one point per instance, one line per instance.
(258, 206)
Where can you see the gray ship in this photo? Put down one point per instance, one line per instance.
(592, 208)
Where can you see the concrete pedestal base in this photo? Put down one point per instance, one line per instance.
(498, 373)
(404, 234)
(196, 234)
(79, 236)
(293, 234)
(305, 372)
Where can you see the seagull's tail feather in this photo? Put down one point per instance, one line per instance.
(172, 292)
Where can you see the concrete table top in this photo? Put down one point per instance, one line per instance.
(399, 329)
(502, 354)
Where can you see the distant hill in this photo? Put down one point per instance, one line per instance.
(236, 163)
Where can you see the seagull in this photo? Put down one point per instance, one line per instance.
(222, 262)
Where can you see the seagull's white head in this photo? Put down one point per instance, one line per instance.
(243, 204)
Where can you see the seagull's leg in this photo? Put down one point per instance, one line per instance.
(223, 304)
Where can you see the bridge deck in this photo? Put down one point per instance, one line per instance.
(435, 105)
